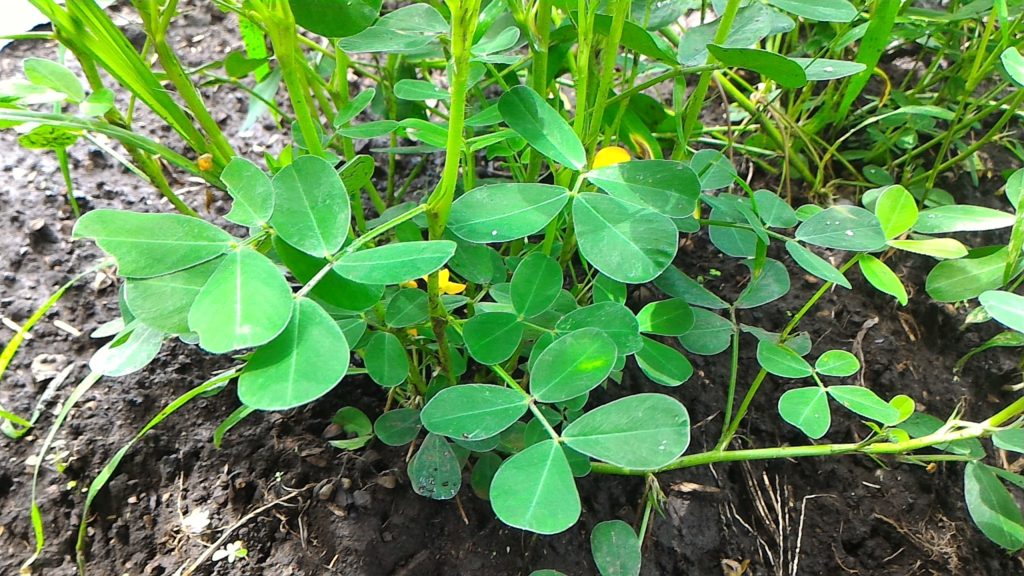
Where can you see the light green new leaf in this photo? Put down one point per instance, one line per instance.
(368, 130)
(398, 427)
(1011, 439)
(710, 335)
(395, 263)
(844, 228)
(781, 360)
(385, 360)
(536, 284)
(492, 337)
(1013, 63)
(896, 210)
(503, 212)
(614, 319)
(866, 403)
(406, 30)
(251, 191)
(672, 317)
(355, 106)
(992, 507)
(824, 69)
(626, 242)
(303, 363)
(1005, 307)
(473, 411)
(946, 248)
(616, 549)
(714, 169)
(435, 472)
(961, 218)
(815, 264)
(663, 364)
(639, 432)
(542, 127)
(774, 66)
(807, 409)
(966, 278)
(572, 365)
(163, 302)
(535, 490)
(665, 186)
(130, 351)
(418, 90)
(245, 303)
(838, 363)
(54, 76)
(147, 245)
(883, 278)
(355, 426)
(822, 11)
(311, 206)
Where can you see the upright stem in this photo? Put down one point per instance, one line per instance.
(465, 14)
(277, 15)
(585, 42)
(539, 72)
(609, 55)
(696, 100)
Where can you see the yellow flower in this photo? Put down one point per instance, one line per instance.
(409, 284)
(447, 286)
(412, 332)
(610, 156)
(205, 162)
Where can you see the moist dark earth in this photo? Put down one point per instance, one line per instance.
(303, 507)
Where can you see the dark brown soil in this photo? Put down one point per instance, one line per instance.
(354, 513)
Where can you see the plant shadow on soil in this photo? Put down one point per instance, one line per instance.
(356, 514)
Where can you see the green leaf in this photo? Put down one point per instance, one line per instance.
(50, 74)
(355, 107)
(946, 248)
(807, 409)
(639, 432)
(607, 290)
(407, 308)
(672, 317)
(838, 363)
(677, 284)
(503, 212)
(395, 263)
(992, 507)
(616, 549)
(245, 303)
(866, 403)
(536, 284)
(572, 365)
(626, 242)
(830, 11)
(130, 351)
(147, 245)
(883, 278)
(714, 169)
(163, 302)
(418, 90)
(815, 264)
(665, 186)
(434, 471)
(492, 337)
(663, 364)
(1013, 63)
(710, 335)
(332, 289)
(535, 490)
(311, 207)
(406, 30)
(473, 411)
(98, 103)
(962, 218)
(1005, 307)
(398, 427)
(844, 228)
(368, 130)
(771, 284)
(385, 360)
(823, 69)
(494, 43)
(782, 361)
(614, 319)
(777, 67)
(251, 191)
(896, 210)
(484, 469)
(355, 425)
(774, 211)
(751, 25)
(966, 278)
(303, 363)
(335, 18)
(1012, 439)
(542, 127)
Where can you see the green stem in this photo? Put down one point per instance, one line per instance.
(581, 76)
(539, 70)
(508, 379)
(734, 365)
(609, 56)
